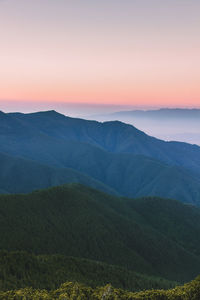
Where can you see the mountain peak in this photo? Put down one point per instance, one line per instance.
(3, 115)
(50, 112)
(47, 113)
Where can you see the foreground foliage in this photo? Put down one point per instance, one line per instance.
(69, 291)
(20, 270)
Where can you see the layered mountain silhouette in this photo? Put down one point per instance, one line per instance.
(112, 156)
(166, 113)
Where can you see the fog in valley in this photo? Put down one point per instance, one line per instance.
(167, 124)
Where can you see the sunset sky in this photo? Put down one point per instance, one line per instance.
(122, 52)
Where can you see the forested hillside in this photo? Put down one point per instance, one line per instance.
(74, 220)
(21, 269)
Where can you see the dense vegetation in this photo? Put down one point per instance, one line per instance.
(72, 291)
(21, 269)
(74, 220)
(112, 156)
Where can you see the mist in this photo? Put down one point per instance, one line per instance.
(168, 124)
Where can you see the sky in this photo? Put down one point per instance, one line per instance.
(138, 53)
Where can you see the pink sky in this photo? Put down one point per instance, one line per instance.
(142, 52)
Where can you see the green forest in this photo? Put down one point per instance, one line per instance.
(21, 269)
(27, 276)
(70, 290)
(74, 242)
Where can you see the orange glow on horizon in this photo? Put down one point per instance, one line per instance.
(100, 52)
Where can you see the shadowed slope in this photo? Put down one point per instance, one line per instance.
(18, 175)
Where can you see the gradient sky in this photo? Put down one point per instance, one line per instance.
(134, 52)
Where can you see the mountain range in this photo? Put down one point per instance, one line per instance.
(89, 202)
(46, 149)
(177, 124)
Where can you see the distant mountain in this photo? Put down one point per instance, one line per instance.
(150, 236)
(111, 156)
(176, 113)
(168, 124)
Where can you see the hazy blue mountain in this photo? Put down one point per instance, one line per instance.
(143, 176)
(3, 191)
(18, 175)
(134, 175)
(168, 124)
(113, 156)
(176, 113)
(158, 237)
(116, 137)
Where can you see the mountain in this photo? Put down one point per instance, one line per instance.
(115, 137)
(74, 220)
(166, 123)
(112, 156)
(18, 175)
(133, 175)
(172, 113)
(144, 176)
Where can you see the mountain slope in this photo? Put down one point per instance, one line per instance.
(105, 152)
(125, 174)
(168, 214)
(79, 221)
(133, 175)
(168, 124)
(18, 175)
(113, 136)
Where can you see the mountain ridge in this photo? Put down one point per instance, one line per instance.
(117, 155)
(166, 123)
